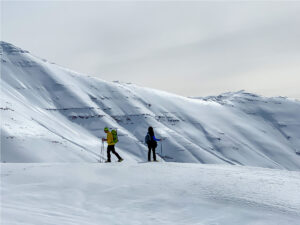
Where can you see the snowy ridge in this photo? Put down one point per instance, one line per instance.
(52, 114)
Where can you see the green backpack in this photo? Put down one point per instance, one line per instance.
(115, 136)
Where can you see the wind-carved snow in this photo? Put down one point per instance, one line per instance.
(52, 114)
(148, 193)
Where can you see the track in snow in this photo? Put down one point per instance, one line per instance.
(148, 193)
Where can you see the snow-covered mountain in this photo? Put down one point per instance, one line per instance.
(52, 114)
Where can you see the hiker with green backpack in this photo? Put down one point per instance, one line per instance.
(112, 139)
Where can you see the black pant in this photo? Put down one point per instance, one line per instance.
(149, 153)
(111, 148)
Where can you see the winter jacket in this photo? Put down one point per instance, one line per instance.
(155, 139)
(110, 139)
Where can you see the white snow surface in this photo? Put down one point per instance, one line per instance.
(148, 193)
(52, 114)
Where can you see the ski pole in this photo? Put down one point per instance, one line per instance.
(100, 154)
(161, 146)
(100, 160)
(102, 150)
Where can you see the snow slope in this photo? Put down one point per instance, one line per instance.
(148, 193)
(52, 114)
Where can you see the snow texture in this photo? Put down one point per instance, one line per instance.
(148, 193)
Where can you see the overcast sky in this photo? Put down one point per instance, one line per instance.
(188, 48)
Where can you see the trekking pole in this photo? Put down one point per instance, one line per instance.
(102, 150)
(161, 146)
(100, 153)
(99, 160)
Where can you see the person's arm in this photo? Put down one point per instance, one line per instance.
(105, 139)
(154, 138)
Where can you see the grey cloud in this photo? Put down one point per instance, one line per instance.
(191, 48)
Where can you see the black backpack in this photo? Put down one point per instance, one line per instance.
(149, 141)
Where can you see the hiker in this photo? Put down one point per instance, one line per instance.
(151, 141)
(111, 145)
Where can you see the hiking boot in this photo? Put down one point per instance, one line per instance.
(107, 161)
(120, 160)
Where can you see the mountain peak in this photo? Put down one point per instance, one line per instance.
(229, 95)
(9, 48)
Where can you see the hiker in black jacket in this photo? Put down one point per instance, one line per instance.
(151, 141)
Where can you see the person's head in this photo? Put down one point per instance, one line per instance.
(106, 130)
(151, 131)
